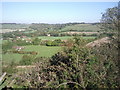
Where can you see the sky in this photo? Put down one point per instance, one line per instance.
(53, 12)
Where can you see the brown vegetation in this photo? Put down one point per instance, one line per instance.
(99, 42)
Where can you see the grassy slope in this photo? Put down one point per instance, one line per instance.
(14, 26)
(9, 57)
(53, 38)
(80, 27)
(44, 51)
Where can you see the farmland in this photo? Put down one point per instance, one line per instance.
(40, 31)
(59, 46)
(30, 32)
(53, 38)
(43, 51)
(81, 28)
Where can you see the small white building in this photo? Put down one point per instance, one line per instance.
(48, 35)
(18, 48)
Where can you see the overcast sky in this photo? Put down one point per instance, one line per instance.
(53, 12)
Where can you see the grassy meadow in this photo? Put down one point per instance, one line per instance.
(81, 27)
(53, 38)
(43, 51)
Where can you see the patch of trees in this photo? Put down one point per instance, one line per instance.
(27, 41)
(6, 46)
(14, 26)
(36, 41)
(7, 35)
(46, 27)
(110, 20)
(10, 69)
(22, 42)
(26, 60)
(56, 42)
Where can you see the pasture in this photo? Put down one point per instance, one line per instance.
(11, 57)
(53, 38)
(43, 51)
(82, 27)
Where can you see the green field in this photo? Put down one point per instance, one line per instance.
(91, 37)
(29, 31)
(14, 26)
(82, 27)
(53, 38)
(9, 57)
(3, 41)
(0, 41)
(43, 51)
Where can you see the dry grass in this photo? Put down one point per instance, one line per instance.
(98, 42)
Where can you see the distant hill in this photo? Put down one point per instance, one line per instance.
(51, 27)
(14, 26)
(75, 27)
(82, 28)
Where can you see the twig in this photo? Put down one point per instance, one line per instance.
(2, 76)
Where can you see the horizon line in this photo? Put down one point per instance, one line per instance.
(45, 23)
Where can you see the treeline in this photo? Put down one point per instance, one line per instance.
(14, 26)
(39, 26)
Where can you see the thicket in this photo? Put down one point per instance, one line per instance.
(77, 67)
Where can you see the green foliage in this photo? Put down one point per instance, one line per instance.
(14, 26)
(81, 27)
(49, 43)
(7, 45)
(77, 67)
(26, 60)
(36, 41)
(22, 43)
(10, 69)
(43, 51)
(53, 38)
(56, 42)
(107, 55)
(110, 21)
